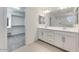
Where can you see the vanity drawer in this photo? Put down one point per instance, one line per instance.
(70, 34)
(66, 33)
(57, 32)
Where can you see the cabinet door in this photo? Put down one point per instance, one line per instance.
(40, 34)
(50, 35)
(44, 34)
(70, 43)
(58, 39)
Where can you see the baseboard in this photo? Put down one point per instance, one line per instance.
(54, 46)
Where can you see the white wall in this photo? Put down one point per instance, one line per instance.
(3, 30)
(31, 22)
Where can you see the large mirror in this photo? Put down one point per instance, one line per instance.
(67, 17)
(62, 21)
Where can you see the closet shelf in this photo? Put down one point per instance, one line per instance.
(17, 25)
(11, 35)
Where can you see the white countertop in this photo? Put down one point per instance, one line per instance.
(67, 29)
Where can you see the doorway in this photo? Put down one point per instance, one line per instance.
(15, 28)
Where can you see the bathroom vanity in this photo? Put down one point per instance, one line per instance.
(65, 39)
(59, 30)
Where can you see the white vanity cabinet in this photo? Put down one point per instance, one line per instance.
(58, 39)
(51, 35)
(46, 35)
(66, 40)
(42, 34)
(62, 39)
(59, 29)
(71, 41)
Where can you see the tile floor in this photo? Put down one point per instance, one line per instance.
(38, 46)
